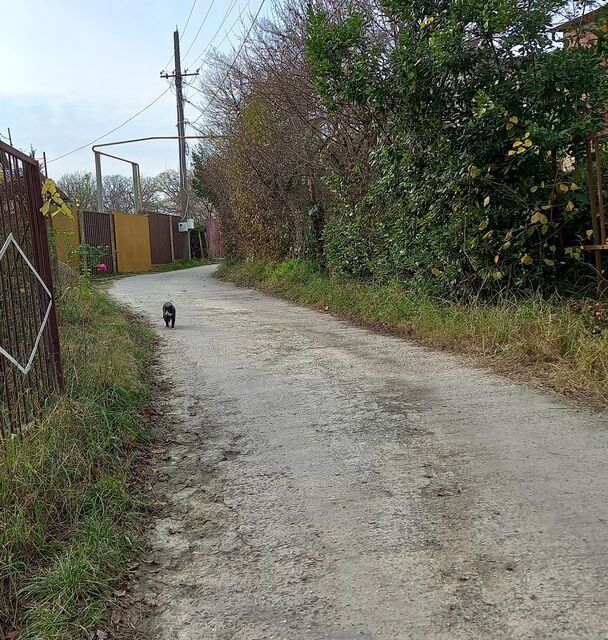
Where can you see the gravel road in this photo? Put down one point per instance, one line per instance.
(322, 481)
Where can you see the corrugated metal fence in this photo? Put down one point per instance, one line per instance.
(30, 358)
(161, 238)
(134, 242)
(97, 230)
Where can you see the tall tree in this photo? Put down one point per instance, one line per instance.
(80, 189)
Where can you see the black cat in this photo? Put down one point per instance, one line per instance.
(169, 314)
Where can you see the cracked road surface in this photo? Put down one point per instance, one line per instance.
(324, 481)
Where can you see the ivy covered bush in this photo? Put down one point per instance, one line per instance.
(435, 141)
(478, 172)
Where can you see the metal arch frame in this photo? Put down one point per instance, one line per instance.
(136, 180)
(135, 165)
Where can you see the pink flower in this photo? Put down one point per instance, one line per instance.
(102, 267)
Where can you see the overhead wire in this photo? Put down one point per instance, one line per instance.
(182, 33)
(228, 12)
(88, 144)
(238, 53)
(199, 29)
(226, 36)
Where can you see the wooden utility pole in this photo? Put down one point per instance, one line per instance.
(181, 124)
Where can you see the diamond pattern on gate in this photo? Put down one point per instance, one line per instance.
(30, 353)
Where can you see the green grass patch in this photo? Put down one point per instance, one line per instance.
(181, 264)
(557, 343)
(67, 521)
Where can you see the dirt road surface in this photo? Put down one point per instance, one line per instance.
(322, 481)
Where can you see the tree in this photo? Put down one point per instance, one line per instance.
(80, 189)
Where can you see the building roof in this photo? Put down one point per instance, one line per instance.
(579, 21)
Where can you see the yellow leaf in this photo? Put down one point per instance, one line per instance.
(511, 152)
(526, 259)
(570, 206)
(539, 217)
(528, 143)
(509, 235)
(521, 150)
(484, 224)
(517, 143)
(497, 275)
(589, 233)
(549, 263)
(486, 201)
(563, 188)
(573, 187)
(505, 246)
(46, 207)
(509, 126)
(435, 271)
(544, 229)
(533, 189)
(527, 134)
(496, 259)
(488, 235)
(514, 119)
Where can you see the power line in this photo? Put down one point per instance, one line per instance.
(228, 12)
(84, 146)
(238, 53)
(183, 30)
(199, 29)
(189, 16)
(226, 35)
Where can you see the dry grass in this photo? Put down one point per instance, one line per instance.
(552, 344)
(66, 514)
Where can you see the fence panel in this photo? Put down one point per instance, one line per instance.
(132, 242)
(160, 238)
(97, 230)
(180, 241)
(215, 242)
(30, 358)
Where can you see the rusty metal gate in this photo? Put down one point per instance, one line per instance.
(30, 359)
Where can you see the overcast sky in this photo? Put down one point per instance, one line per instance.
(74, 69)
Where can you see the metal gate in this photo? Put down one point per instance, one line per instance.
(30, 359)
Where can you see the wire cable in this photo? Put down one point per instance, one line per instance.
(199, 29)
(228, 11)
(182, 33)
(238, 53)
(84, 146)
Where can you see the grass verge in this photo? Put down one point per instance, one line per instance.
(67, 520)
(556, 344)
(177, 266)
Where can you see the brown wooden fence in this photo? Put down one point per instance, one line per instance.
(30, 359)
